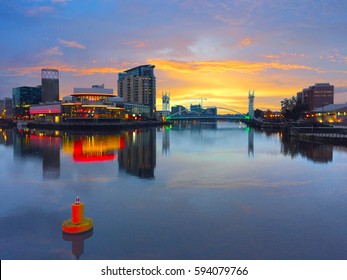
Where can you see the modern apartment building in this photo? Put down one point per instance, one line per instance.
(319, 95)
(138, 85)
(50, 85)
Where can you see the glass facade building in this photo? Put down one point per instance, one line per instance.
(22, 98)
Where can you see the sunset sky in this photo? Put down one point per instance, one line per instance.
(217, 50)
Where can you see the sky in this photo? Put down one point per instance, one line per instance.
(215, 50)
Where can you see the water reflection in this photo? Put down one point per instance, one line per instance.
(166, 140)
(77, 242)
(92, 148)
(135, 150)
(139, 154)
(6, 137)
(313, 151)
(41, 145)
(220, 192)
(250, 142)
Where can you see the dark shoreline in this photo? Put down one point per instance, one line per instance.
(96, 125)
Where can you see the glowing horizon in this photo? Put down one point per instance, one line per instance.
(216, 50)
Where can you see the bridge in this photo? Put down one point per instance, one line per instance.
(237, 116)
(202, 115)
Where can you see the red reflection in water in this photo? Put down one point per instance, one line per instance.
(80, 156)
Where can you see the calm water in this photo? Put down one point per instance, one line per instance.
(192, 191)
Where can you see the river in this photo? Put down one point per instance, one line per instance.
(191, 190)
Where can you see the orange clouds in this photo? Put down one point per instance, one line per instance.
(284, 55)
(225, 83)
(98, 70)
(224, 66)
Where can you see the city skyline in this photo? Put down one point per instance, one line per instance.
(218, 50)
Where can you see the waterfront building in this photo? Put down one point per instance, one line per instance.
(138, 86)
(46, 112)
(210, 111)
(331, 114)
(6, 108)
(88, 104)
(50, 85)
(195, 109)
(319, 95)
(23, 98)
(178, 110)
(198, 110)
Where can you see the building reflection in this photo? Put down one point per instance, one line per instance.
(139, 154)
(92, 148)
(166, 140)
(6, 137)
(250, 142)
(42, 145)
(316, 152)
(135, 150)
(194, 125)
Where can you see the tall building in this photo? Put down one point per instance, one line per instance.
(251, 104)
(22, 98)
(165, 97)
(138, 85)
(50, 85)
(319, 95)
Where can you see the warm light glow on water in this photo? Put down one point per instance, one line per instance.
(189, 191)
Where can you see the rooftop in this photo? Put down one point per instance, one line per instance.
(332, 108)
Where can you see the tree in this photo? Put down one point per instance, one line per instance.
(291, 109)
(288, 105)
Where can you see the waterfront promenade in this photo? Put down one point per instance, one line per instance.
(70, 125)
(85, 124)
(337, 134)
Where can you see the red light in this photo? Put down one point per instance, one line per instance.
(80, 156)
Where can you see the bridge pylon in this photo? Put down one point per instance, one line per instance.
(166, 104)
(251, 104)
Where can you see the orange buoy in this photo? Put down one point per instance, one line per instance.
(78, 223)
